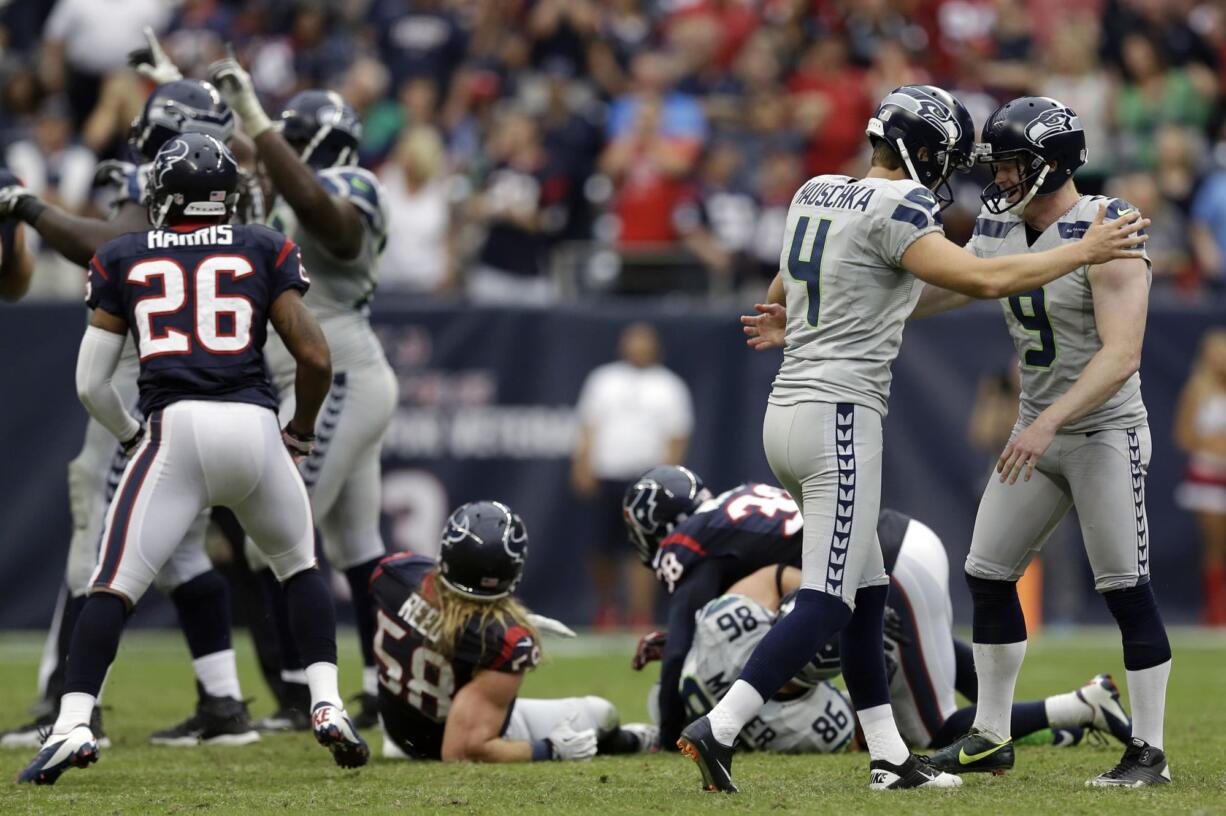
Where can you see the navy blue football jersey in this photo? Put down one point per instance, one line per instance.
(416, 682)
(197, 303)
(753, 526)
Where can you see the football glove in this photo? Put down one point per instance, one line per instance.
(235, 86)
(16, 201)
(650, 648)
(553, 627)
(298, 445)
(152, 63)
(565, 743)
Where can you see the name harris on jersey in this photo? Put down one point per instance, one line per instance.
(837, 195)
(218, 234)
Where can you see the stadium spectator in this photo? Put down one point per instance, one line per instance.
(1200, 431)
(1208, 227)
(50, 162)
(719, 226)
(418, 38)
(1169, 252)
(418, 254)
(632, 414)
(1076, 78)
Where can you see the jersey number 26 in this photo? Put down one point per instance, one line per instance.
(209, 304)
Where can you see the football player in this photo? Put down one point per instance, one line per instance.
(336, 212)
(807, 717)
(210, 434)
(198, 591)
(16, 263)
(852, 254)
(1081, 437)
(454, 646)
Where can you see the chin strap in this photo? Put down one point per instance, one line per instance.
(1018, 208)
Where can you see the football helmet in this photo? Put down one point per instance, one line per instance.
(322, 128)
(484, 547)
(1035, 132)
(194, 174)
(931, 131)
(658, 501)
(825, 665)
(185, 105)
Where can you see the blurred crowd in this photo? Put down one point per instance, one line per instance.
(534, 149)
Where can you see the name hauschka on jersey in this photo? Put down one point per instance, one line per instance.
(816, 193)
(222, 234)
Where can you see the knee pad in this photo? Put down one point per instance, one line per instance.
(1141, 627)
(998, 612)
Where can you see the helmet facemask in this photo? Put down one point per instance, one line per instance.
(1032, 173)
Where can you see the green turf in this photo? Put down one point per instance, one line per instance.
(151, 687)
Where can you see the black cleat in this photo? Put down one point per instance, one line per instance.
(368, 711)
(285, 719)
(974, 752)
(915, 772)
(1141, 765)
(714, 760)
(220, 721)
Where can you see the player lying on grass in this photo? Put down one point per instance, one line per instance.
(454, 645)
(810, 716)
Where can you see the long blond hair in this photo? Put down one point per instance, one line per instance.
(456, 610)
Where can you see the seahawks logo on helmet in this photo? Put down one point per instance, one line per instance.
(1051, 122)
(929, 109)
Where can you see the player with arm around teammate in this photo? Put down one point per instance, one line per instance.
(1081, 440)
(454, 645)
(336, 212)
(198, 294)
(853, 251)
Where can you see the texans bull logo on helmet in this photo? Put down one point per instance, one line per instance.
(1050, 122)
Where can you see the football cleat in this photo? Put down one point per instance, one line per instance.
(221, 721)
(76, 749)
(974, 752)
(336, 732)
(714, 760)
(1141, 765)
(368, 713)
(1103, 698)
(915, 772)
(648, 736)
(284, 719)
(32, 735)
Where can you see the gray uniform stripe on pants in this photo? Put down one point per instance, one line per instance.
(1138, 501)
(845, 502)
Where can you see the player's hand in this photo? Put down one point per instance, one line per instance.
(765, 330)
(1025, 451)
(235, 85)
(568, 744)
(129, 447)
(113, 173)
(650, 648)
(1108, 240)
(151, 61)
(547, 624)
(299, 445)
(16, 201)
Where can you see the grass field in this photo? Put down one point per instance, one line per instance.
(151, 686)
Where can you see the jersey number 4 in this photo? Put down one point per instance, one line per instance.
(1030, 309)
(809, 271)
(211, 307)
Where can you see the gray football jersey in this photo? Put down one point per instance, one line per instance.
(820, 720)
(848, 296)
(1053, 326)
(341, 290)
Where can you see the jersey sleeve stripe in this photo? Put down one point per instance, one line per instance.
(910, 215)
(682, 540)
(286, 249)
(990, 228)
(97, 265)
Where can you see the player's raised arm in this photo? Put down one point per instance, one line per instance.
(935, 259)
(298, 328)
(335, 221)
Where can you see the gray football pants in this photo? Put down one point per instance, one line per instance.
(1102, 473)
(828, 456)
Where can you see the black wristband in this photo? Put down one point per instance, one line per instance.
(298, 437)
(28, 209)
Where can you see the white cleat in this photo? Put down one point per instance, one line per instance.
(914, 772)
(1109, 716)
(76, 749)
(336, 732)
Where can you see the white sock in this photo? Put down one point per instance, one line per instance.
(75, 709)
(321, 677)
(1147, 695)
(1064, 710)
(997, 665)
(881, 734)
(740, 705)
(218, 674)
(370, 680)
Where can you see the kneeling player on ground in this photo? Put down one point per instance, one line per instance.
(453, 646)
(211, 437)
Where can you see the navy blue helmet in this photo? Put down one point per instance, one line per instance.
(825, 664)
(194, 174)
(1035, 132)
(322, 128)
(658, 501)
(185, 105)
(931, 131)
(483, 550)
